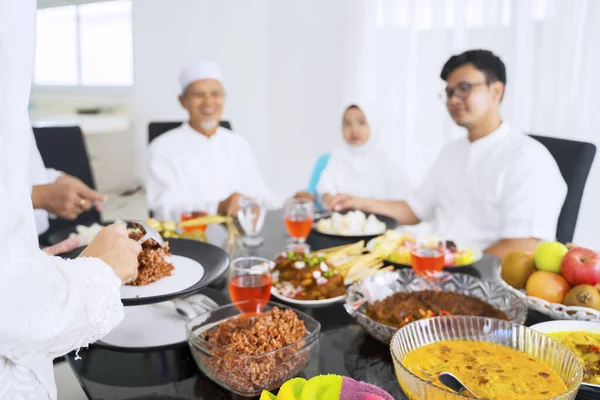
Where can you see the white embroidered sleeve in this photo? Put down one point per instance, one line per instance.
(58, 305)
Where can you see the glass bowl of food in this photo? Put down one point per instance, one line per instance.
(223, 344)
(387, 301)
(495, 359)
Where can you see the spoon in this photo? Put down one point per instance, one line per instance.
(150, 233)
(455, 384)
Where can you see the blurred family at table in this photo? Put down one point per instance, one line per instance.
(496, 189)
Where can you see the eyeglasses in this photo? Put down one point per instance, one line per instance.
(462, 90)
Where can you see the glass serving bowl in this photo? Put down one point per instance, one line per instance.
(479, 329)
(243, 374)
(384, 284)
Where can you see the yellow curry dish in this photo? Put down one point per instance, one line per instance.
(490, 371)
(586, 346)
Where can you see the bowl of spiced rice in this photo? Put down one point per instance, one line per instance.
(247, 353)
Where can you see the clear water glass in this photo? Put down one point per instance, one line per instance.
(251, 218)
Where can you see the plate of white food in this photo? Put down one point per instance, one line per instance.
(355, 224)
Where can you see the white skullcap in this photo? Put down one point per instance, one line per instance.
(200, 70)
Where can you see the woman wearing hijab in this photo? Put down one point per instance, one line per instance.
(48, 306)
(362, 165)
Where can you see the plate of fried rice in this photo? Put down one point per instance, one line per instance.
(179, 268)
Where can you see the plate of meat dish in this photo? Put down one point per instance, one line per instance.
(319, 279)
(386, 302)
(179, 267)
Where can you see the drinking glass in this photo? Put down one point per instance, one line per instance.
(428, 256)
(251, 217)
(192, 214)
(299, 215)
(250, 279)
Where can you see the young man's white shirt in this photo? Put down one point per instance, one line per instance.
(504, 185)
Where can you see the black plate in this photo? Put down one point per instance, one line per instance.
(213, 259)
(59, 236)
(390, 223)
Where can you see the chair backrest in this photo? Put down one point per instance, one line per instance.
(63, 148)
(574, 160)
(155, 129)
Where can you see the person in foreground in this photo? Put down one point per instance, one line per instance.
(201, 166)
(48, 306)
(362, 167)
(497, 188)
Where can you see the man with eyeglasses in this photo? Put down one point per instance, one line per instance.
(496, 189)
(201, 166)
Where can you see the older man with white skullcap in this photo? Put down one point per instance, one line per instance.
(201, 166)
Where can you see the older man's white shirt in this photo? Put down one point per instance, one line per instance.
(192, 172)
(48, 306)
(505, 185)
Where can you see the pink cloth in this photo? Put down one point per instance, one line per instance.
(354, 390)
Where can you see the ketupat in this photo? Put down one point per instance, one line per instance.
(292, 389)
(327, 387)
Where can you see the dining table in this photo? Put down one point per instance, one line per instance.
(169, 372)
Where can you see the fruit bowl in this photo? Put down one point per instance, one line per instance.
(553, 310)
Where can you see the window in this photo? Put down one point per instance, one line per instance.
(85, 45)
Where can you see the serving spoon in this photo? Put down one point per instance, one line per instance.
(455, 384)
(148, 232)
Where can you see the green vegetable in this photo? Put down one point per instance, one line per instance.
(292, 256)
(329, 273)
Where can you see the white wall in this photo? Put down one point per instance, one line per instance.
(282, 68)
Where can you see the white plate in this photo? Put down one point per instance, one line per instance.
(477, 254)
(187, 273)
(148, 326)
(356, 235)
(569, 326)
(308, 303)
(153, 325)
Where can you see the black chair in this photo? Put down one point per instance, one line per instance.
(155, 129)
(574, 160)
(63, 148)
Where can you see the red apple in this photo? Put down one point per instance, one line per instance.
(581, 266)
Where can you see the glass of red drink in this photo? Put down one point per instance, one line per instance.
(299, 215)
(250, 279)
(187, 215)
(428, 256)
